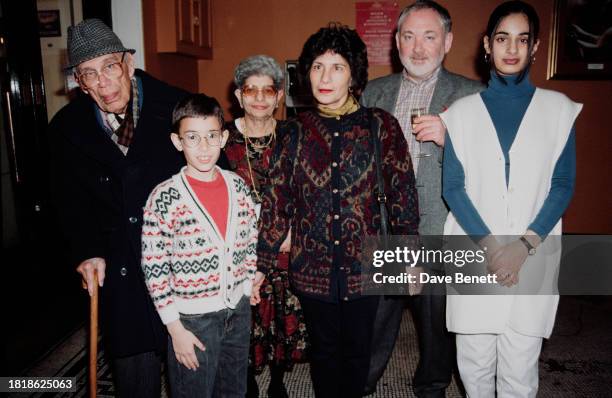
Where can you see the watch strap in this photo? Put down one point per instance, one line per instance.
(530, 249)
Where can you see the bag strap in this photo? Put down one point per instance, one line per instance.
(381, 196)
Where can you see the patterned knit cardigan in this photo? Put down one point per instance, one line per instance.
(188, 267)
(323, 186)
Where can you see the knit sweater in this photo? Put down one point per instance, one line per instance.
(188, 267)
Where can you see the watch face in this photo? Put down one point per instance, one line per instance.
(532, 251)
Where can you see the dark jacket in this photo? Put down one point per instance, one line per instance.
(100, 194)
(323, 184)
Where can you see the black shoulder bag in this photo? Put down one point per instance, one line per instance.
(380, 196)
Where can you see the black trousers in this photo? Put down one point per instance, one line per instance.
(386, 329)
(436, 344)
(340, 336)
(138, 376)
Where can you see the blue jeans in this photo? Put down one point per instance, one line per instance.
(224, 362)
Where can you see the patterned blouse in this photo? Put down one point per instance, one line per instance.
(259, 157)
(323, 183)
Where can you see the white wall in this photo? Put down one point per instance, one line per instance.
(127, 24)
(54, 57)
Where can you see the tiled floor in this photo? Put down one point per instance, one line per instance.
(575, 362)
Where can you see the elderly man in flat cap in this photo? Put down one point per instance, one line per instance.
(110, 148)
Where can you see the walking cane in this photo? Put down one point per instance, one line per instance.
(93, 339)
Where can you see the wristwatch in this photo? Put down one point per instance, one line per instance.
(530, 249)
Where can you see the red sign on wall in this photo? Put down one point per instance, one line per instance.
(375, 23)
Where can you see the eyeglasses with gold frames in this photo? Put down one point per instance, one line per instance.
(91, 77)
(252, 91)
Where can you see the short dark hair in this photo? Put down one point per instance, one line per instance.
(443, 13)
(502, 11)
(197, 106)
(342, 40)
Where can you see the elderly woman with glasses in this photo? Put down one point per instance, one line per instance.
(323, 179)
(279, 331)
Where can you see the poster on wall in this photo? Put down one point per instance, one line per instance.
(375, 23)
(49, 23)
(581, 40)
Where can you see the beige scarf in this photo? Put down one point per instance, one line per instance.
(351, 105)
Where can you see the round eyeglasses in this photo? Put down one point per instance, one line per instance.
(192, 140)
(252, 91)
(91, 77)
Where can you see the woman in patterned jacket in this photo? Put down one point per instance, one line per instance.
(323, 181)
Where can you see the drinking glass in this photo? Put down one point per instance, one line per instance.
(414, 113)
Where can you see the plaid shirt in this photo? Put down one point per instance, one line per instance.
(413, 95)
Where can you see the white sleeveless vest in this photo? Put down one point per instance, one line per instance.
(509, 210)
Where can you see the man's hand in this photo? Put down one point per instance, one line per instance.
(285, 247)
(183, 342)
(255, 297)
(429, 128)
(417, 287)
(88, 269)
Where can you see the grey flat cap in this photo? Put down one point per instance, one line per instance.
(91, 38)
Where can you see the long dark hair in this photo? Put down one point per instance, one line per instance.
(502, 11)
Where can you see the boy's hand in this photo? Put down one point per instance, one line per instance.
(182, 343)
(88, 269)
(255, 297)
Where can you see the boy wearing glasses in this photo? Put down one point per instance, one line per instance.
(198, 256)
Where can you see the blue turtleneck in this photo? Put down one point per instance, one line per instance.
(507, 104)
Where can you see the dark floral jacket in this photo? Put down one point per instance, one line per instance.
(324, 186)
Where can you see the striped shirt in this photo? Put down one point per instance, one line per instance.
(413, 94)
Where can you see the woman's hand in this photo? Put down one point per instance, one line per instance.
(507, 263)
(255, 297)
(285, 247)
(491, 246)
(183, 342)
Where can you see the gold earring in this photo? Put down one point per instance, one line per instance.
(533, 59)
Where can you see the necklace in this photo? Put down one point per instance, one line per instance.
(271, 136)
(257, 148)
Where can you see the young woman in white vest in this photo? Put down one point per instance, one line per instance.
(509, 173)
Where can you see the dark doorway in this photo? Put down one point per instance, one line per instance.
(42, 297)
(100, 9)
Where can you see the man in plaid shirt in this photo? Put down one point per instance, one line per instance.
(423, 39)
